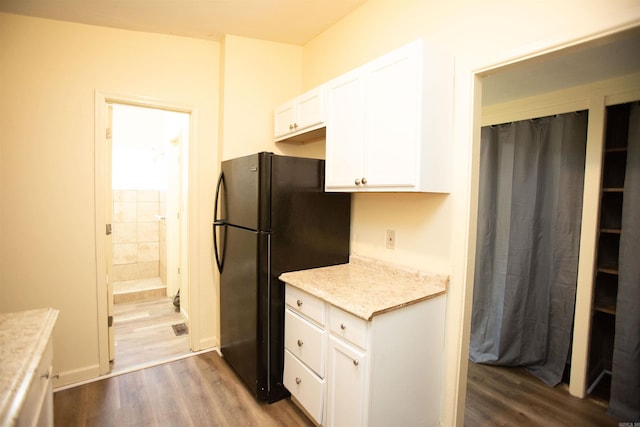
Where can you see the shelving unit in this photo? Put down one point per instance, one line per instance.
(610, 230)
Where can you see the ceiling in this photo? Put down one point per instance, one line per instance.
(286, 21)
(604, 58)
(299, 21)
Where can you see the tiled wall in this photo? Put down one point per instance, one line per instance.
(136, 235)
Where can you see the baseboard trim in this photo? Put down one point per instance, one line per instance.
(97, 377)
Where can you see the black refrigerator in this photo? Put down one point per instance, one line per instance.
(272, 216)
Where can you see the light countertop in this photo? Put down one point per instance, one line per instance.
(23, 338)
(365, 287)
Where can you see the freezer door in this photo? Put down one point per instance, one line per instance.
(245, 195)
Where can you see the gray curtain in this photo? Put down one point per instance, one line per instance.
(624, 402)
(529, 213)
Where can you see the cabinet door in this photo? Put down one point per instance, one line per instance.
(346, 385)
(310, 109)
(284, 117)
(345, 131)
(392, 119)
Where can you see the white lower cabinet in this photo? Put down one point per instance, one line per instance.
(346, 381)
(380, 372)
(38, 404)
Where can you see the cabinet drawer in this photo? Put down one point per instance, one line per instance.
(348, 326)
(304, 385)
(306, 304)
(305, 340)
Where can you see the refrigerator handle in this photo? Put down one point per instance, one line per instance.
(218, 223)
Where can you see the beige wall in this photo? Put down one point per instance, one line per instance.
(48, 79)
(434, 232)
(258, 76)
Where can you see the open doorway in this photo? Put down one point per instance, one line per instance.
(145, 254)
(529, 90)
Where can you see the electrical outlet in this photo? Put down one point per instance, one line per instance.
(390, 242)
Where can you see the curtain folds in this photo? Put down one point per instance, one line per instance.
(529, 214)
(624, 402)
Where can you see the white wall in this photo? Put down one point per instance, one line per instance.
(49, 76)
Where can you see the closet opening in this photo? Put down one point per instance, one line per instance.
(588, 77)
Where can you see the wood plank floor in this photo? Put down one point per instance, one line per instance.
(144, 334)
(498, 396)
(196, 391)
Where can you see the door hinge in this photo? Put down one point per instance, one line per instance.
(108, 133)
(108, 230)
(110, 321)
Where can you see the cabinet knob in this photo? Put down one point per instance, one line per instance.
(290, 126)
(357, 181)
(355, 363)
(298, 380)
(343, 326)
(295, 126)
(363, 180)
(299, 302)
(300, 343)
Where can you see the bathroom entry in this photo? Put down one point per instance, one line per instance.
(146, 219)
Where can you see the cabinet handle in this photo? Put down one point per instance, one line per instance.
(357, 181)
(299, 302)
(298, 380)
(355, 363)
(48, 375)
(343, 326)
(300, 343)
(363, 180)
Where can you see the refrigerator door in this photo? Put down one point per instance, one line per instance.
(240, 327)
(245, 200)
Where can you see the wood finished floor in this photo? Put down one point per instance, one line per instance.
(498, 396)
(144, 333)
(196, 391)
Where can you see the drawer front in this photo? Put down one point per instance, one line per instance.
(348, 326)
(304, 385)
(306, 304)
(306, 341)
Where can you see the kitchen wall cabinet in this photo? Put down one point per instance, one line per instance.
(375, 372)
(389, 123)
(301, 119)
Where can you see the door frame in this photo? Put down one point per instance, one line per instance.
(102, 99)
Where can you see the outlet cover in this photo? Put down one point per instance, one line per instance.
(390, 242)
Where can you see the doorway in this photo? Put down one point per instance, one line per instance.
(615, 79)
(146, 168)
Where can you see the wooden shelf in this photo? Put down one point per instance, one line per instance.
(608, 270)
(611, 230)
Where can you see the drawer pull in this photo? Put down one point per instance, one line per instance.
(300, 343)
(47, 375)
(298, 380)
(355, 363)
(299, 302)
(343, 326)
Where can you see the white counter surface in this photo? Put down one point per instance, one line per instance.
(23, 339)
(367, 287)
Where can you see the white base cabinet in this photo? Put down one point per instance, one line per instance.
(381, 372)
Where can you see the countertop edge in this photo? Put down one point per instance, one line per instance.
(9, 414)
(320, 282)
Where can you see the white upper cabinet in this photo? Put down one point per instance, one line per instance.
(389, 123)
(301, 119)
